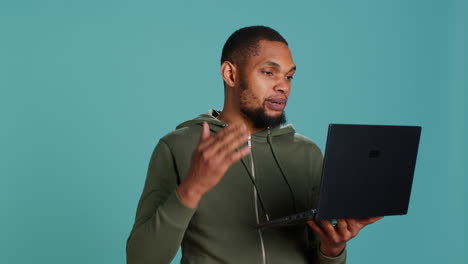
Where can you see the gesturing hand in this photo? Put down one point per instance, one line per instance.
(210, 161)
(333, 238)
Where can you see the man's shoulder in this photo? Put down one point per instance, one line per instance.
(182, 136)
(306, 142)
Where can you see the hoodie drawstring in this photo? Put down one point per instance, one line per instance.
(252, 179)
(270, 143)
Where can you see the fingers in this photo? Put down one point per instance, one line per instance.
(353, 227)
(372, 220)
(205, 131)
(227, 149)
(369, 220)
(213, 156)
(334, 233)
(334, 238)
(344, 230)
(225, 142)
(315, 227)
(342, 227)
(234, 156)
(329, 234)
(230, 141)
(325, 228)
(219, 136)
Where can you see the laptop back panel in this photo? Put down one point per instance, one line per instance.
(368, 171)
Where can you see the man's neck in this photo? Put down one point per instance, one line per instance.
(233, 117)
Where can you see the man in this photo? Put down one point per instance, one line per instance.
(215, 177)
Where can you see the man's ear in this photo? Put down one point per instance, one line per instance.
(228, 72)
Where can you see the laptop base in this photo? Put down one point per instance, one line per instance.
(299, 218)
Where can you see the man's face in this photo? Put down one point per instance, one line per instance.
(265, 83)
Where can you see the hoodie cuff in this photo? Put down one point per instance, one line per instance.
(176, 212)
(323, 259)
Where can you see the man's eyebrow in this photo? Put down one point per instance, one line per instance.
(274, 64)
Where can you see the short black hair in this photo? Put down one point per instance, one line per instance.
(244, 43)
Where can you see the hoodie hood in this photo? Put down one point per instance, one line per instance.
(215, 125)
(265, 136)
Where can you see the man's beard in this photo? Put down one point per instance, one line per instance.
(258, 116)
(261, 120)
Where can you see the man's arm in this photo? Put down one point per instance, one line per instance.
(165, 209)
(161, 218)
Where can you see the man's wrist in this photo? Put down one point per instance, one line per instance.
(331, 251)
(188, 195)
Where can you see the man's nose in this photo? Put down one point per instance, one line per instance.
(283, 86)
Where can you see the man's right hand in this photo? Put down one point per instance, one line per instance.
(210, 161)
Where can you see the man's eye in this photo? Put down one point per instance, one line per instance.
(268, 73)
(290, 77)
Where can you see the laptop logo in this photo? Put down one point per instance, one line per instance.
(374, 154)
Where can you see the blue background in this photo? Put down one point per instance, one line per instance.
(88, 87)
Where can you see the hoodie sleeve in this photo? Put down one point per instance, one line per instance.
(161, 219)
(340, 259)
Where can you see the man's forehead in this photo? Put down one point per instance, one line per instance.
(273, 54)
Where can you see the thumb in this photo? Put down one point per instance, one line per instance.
(205, 131)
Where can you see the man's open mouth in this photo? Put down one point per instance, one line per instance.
(276, 104)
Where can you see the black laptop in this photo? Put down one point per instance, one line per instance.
(367, 171)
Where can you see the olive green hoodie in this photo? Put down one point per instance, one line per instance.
(286, 169)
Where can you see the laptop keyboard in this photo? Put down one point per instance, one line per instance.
(290, 220)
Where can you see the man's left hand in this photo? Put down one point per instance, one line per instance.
(333, 238)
